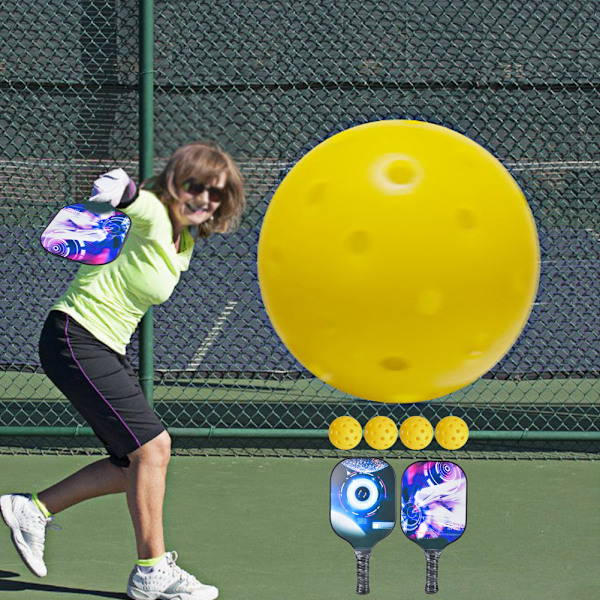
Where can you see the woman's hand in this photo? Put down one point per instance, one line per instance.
(114, 187)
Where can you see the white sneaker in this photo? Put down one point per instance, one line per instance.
(168, 582)
(28, 529)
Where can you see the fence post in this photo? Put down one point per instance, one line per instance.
(146, 153)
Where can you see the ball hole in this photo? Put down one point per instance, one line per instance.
(401, 172)
(316, 193)
(466, 218)
(275, 254)
(359, 242)
(394, 363)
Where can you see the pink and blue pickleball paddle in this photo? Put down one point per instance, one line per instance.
(91, 233)
(433, 510)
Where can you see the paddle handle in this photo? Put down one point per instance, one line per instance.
(431, 578)
(362, 571)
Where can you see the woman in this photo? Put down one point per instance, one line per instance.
(82, 350)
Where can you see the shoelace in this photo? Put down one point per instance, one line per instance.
(51, 525)
(35, 523)
(46, 522)
(181, 573)
(37, 541)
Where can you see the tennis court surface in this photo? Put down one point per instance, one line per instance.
(259, 529)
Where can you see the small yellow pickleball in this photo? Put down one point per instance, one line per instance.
(398, 261)
(451, 433)
(345, 433)
(416, 433)
(381, 433)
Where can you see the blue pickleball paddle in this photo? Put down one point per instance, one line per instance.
(363, 508)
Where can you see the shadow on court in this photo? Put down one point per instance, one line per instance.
(7, 584)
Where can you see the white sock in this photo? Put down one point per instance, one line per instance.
(147, 570)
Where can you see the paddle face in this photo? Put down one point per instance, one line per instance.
(363, 501)
(434, 503)
(91, 233)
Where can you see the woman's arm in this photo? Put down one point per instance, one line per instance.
(147, 212)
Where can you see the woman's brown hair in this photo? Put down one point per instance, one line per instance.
(203, 161)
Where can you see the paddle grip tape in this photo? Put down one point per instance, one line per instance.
(431, 578)
(362, 571)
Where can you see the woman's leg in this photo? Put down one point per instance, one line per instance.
(97, 479)
(145, 494)
(144, 482)
(146, 477)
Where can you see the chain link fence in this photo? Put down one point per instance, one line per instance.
(269, 81)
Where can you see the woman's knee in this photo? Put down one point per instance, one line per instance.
(157, 450)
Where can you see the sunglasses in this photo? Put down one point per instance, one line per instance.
(197, 188)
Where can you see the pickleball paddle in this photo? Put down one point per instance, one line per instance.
(434, 510)
(91, 233)
(363, 508)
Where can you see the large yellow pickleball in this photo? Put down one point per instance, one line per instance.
(398, 261)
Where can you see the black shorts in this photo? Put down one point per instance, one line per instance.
(100, 384)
